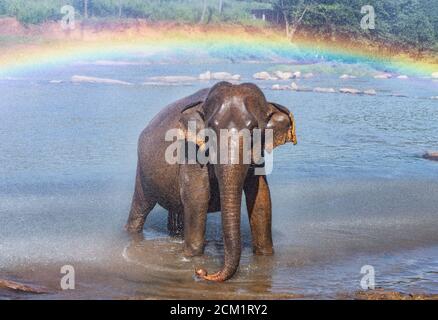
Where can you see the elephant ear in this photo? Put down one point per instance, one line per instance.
(192, 121)
(282, 122)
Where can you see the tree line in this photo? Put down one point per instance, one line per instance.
(399, 23)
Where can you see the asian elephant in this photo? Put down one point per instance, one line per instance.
(190, 191)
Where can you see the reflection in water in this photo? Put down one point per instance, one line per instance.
(162, 261)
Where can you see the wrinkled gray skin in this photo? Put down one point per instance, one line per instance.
(190, 191)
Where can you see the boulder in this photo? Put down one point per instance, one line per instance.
(370, 92)
(86, 79)
(294, 86)
(349, 90)
(205, 76)
(308, 75)
(383, 76)
(283, 75)
(325, 90)
(280, 87)
(347, 76)
(296, 74)
(431, 156)
(263, 76)
(224, 76)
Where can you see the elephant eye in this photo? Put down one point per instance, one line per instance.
(270, 116)
(249, 124)
(201, 115)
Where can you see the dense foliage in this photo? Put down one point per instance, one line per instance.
(37, 11)
(402, 23)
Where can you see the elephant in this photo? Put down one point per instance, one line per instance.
(191, 190)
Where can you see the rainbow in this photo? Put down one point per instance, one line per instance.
(195, 44)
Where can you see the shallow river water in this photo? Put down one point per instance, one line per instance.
(354, 191)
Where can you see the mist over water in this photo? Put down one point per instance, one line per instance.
(354, 191)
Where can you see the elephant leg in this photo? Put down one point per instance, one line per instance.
(258, 202)
(195, 195)
(142, 204)
(175, 222)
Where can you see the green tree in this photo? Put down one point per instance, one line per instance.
(293, 12)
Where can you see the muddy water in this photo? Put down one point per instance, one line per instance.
(354, 192)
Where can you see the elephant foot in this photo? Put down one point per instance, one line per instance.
(135, 234)
(268, 251)
(193, 252)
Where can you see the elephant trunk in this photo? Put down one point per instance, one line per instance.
(231, 178)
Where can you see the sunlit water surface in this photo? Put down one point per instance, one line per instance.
(354, 191)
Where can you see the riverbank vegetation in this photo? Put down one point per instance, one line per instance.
(401, 24)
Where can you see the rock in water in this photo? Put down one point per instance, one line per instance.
(349, 90)
(325, 90)
(383, 76)
(346, 76)
(21, 287)
(435, 75)
(205, 76)
(224, 76)
(431, 156)
(263, 76)
(218, 76)
(86, 79)
(403, 77)
(370, 92)
(296, 74)
(280, 87)
(283, 75)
